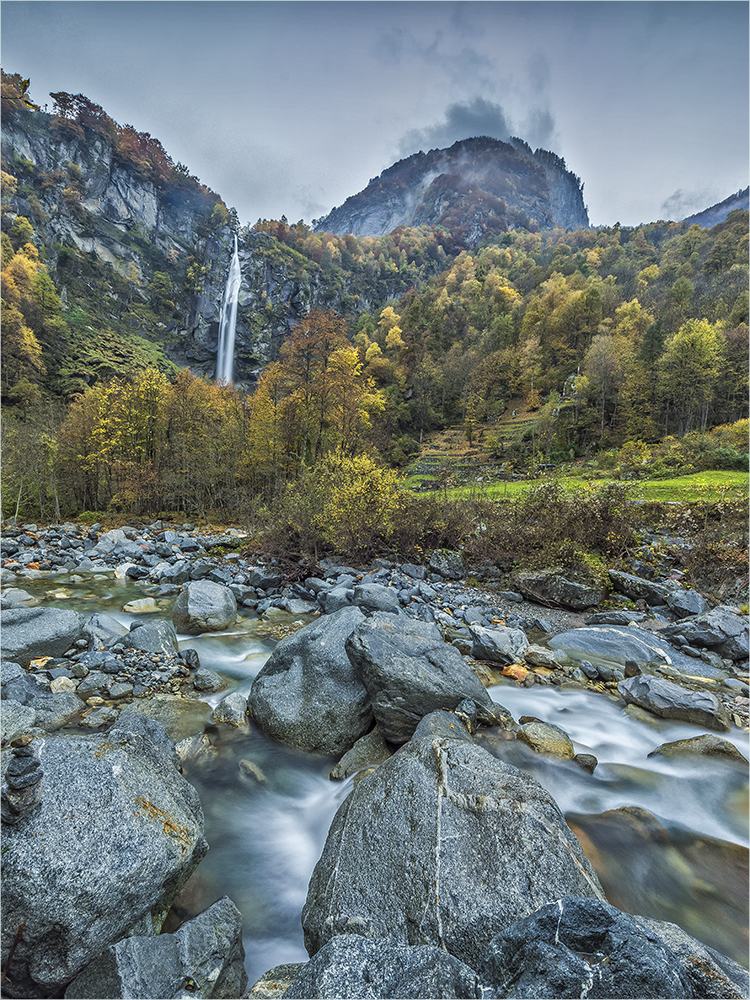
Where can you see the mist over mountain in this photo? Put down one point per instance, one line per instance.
(480, 186)
(717, 213)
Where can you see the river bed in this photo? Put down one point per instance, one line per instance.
(268, 808)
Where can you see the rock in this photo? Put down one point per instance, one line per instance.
(670, 701)
(15, 719)
(447, 563)
(231, 710)
(335, 599)
(262, 578)
(132, 834)
(32, 632)
(442, 845)
(582, 947)
(275, 982)
(180, 717)
(409, 671)
(721, 628)
(307, 694)
(204, 957)
(616, 618)
(618, 645)
(103, 630)
(711, 973)
(540, 656)
(560, 588)
(208, 680)
(368, 751)
(703, 746)
(152, 637)
(204, 606)
(355, 967)
(687, 602)
(143, 606)
(638, 588)
(449, 725)
(499, 644)
(15, 598)
(374, 597)
(546, 738)
(586, 761)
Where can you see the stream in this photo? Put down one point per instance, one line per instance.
(268, 809)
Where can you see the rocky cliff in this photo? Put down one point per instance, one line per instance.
(140, 263)
(478, 186)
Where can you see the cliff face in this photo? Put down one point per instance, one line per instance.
(88, 209)
(477, 185)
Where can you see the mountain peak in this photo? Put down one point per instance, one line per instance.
(477, 186)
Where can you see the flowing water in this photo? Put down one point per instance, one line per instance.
(268, 808)
(228, 323)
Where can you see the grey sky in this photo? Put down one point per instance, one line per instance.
(290, 107)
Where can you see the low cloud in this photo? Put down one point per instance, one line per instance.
(683, 203)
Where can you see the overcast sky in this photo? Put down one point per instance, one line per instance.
(290, 107)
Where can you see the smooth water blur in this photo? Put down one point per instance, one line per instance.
(268, 809)
(228, 322)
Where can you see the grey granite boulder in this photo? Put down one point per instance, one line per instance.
(204, 606)
(204, 958)
(498, 644)
(151, 637)
(559, 587)
(442, 845)
(577, 947)
(670, 701)
(409, 671)
(307, 694)
(708, 745)
(368, 752)
(31, 632)
(355, 967)
(117, 833)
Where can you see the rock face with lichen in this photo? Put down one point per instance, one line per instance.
(116, 834)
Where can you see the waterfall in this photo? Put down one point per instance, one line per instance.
(225, 355)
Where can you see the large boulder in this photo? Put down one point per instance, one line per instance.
(558, 587)
(355, 967)
(616, 645)
(579, 947)
(307, 695)
(670, 701)
(204, 606)
(204, 957)
(117, 833)
(410, 671)
(32, 632)
(442, 845)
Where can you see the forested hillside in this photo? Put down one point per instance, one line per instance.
(113, 266)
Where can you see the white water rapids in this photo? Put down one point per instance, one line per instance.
(265, 836)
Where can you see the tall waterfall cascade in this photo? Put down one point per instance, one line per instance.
(225, 355)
